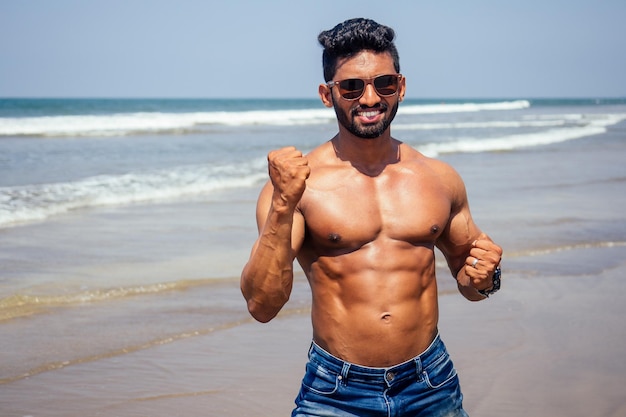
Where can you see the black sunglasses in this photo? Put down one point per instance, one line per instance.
(353, 88)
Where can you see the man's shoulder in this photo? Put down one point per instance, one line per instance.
(321, 152)
(411, 155)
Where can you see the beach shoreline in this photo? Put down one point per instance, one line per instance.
(540, 347)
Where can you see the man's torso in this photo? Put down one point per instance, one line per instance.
(368, 253)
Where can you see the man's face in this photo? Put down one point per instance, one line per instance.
(369, 116)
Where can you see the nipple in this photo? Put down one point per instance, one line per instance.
(334, 237)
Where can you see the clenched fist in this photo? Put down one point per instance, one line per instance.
(484, 258)
(288, 170)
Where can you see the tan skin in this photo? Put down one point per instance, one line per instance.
(363, 217)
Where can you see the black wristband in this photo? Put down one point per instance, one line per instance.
(496, 283)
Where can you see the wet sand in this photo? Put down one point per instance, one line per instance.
(543, 346)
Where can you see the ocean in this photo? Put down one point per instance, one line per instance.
(64, 155)
(124, 223)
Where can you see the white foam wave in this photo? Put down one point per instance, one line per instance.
(568, 116)
(463, 107)
(38, 202)
(594, 126)
(129, 123)
(150, 122)
(478, 125)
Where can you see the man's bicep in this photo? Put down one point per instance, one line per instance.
(456, 240)
(462, 230)
(297, 232)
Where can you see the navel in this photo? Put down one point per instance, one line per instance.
(386, 317)
(434, 229)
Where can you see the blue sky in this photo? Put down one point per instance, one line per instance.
(246, 48)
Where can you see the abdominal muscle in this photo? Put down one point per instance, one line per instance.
(375, 307)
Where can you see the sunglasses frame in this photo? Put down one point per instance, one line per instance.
(366, 82)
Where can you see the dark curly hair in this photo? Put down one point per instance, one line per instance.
(353, 36)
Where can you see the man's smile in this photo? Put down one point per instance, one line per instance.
(370, 115)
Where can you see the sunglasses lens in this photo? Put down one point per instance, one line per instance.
(352, 88)
(386, 85)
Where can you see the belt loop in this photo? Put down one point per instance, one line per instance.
(310, 350)
(344, 373)
(418, 365)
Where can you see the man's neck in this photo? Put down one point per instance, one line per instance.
(370, 156)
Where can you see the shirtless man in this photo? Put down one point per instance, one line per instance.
(363, 213)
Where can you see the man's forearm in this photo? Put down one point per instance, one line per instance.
(468, 291)
(267, 278)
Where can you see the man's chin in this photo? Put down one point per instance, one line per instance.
(368, 132)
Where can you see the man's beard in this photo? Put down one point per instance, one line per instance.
(369, 131)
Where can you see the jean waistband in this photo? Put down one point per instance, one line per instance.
(352, 371)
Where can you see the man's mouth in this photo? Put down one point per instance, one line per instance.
(369, 114)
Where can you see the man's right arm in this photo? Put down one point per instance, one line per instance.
(267, 278)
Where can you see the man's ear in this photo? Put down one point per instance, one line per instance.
(402, 89)
(326, 95)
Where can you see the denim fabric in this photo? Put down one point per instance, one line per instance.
(426, 385)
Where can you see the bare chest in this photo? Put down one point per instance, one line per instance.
(346, 210)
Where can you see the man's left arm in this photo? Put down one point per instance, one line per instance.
(472, 256)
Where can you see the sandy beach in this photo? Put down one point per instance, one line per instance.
(542, 347)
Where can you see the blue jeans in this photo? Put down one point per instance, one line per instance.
(426, 385)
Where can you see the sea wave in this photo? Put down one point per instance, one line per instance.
(479, 125)
(593, 126)
(35, 202)
(155, 122)
(463, 107)
(18, 305)
(121, 124)
(572, 247)
(24, 304)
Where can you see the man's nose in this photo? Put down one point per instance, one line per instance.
(370, 97)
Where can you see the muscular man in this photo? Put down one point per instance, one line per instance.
(363, 213)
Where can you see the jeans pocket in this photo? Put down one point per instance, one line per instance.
(319, 380)
(440, 372)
